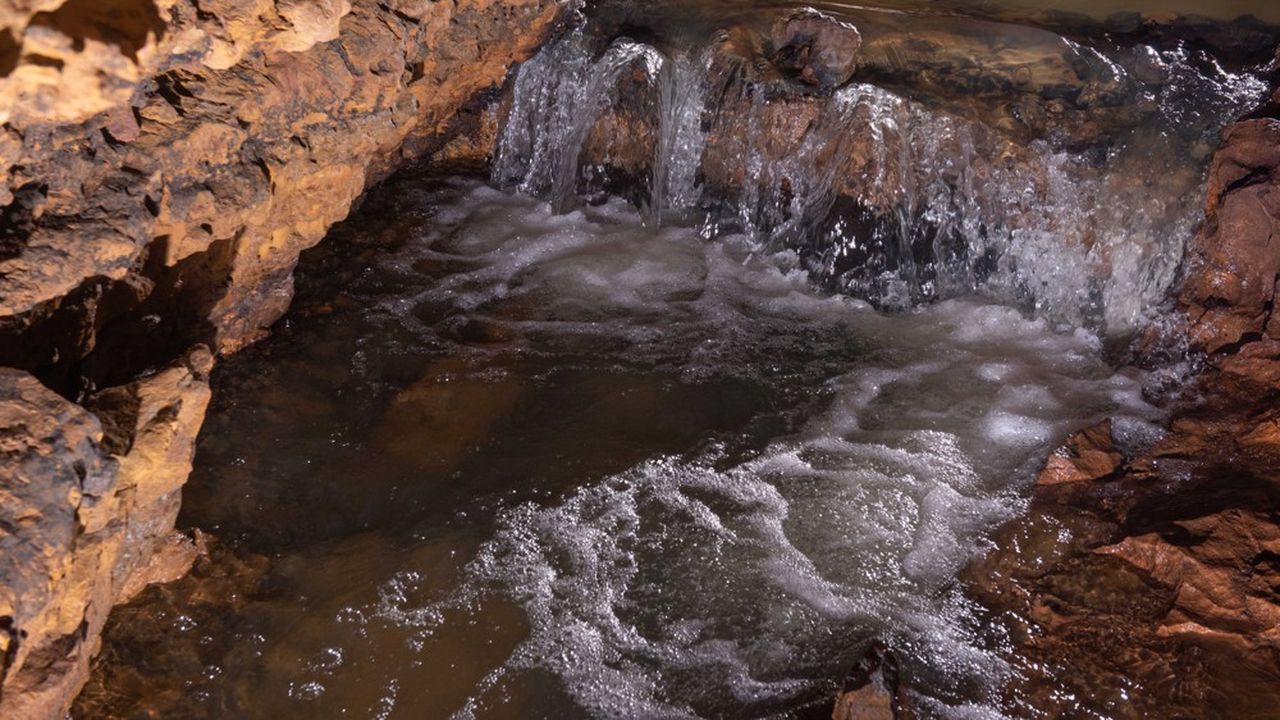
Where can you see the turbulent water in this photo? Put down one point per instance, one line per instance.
(539, 451)
(540, 465)
(1086, 234)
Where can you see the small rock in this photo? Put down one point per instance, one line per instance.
(1088, 455)
(121, 124)
(871, 691)
(823, 50)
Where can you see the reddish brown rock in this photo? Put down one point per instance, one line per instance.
(822, 50)
(212, 597)
(1149, 589)
(1088, 455)
(872, 690)
(1149, 585)
(1234, 261)
(87, 515)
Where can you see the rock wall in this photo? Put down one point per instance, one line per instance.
(1166, 589)
(162, 164)
(89, 507)
(213, 142)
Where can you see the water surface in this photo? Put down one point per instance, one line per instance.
(541, 451)
(520, 464)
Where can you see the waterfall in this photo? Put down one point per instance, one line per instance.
(892, 199)
(681, 135)
(557, 98)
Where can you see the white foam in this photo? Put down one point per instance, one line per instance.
(1083, 241)
(688, 584)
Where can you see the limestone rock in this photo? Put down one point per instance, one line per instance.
(56, 477)
(87, 512)
(151, 425)
(162, 165)
(233, 133)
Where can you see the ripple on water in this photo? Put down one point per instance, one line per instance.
(570, 467)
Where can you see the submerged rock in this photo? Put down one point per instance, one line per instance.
(821, 49)
(871, 691)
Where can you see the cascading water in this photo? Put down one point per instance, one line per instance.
(554, 110)
(537, 454)
(888, 198)
(681, 138)
(564, 465)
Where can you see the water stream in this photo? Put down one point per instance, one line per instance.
(540, 451)
(894, 195)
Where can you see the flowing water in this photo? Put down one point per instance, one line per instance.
(540, 465)
(542, 452)
(895, 195)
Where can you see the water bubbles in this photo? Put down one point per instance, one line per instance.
(687, 586)
(887, 198)
(306, 691)
(328, 660)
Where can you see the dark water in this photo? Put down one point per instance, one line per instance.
(500, 461)
(505, 463)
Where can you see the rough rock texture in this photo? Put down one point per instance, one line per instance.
(1148, 573)
(162, 164)
(1234, 264)
(167, 198)
(86, 518)
(871, 691)
(821, 49)
(759, 109)
(57, 476)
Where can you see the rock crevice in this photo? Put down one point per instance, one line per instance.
(162, 165)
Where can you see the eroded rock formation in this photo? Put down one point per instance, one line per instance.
(162, 164)
(88, 509)
(238, 134)
(1148, 569)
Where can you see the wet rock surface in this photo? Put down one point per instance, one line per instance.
(184, 625)
(162, 164)
(904, 183)
(822, 50)
(1150, 563)
(872, 690)
(1234, 264)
